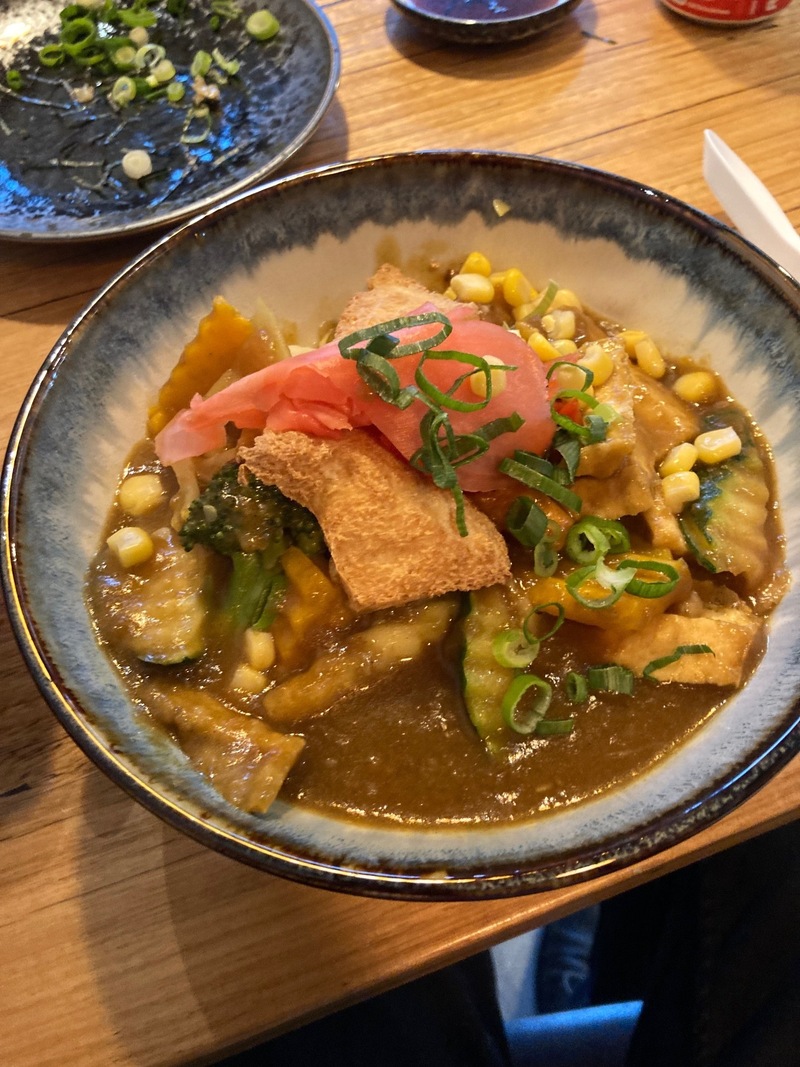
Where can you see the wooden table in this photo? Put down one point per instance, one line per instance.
(122, 942)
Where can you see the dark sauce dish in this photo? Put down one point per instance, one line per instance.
(479, 22)
(61, 173)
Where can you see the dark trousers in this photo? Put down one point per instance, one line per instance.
(713, 951)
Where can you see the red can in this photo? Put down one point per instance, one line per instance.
(727, 12)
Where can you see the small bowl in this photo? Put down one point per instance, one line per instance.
(310, 241)
(476, 22)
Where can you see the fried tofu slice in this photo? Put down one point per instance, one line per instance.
(391, 533)
(730, 633)
(389, 294)
(603, 459)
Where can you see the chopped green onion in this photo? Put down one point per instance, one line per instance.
(522, 473)
(560, 616)
(201, 64)
(177, 8)
(229, 66)
(175, 92)
(545, 300)
(554, 727)
(123, 91)
(521, 715)
(124, 58)
(512, 648)
(586, 542)
(526, 521)
(577, 687)
(52, 55)
(569, 448)
(446, 399)
(163, 71)
(545, 559)
(588, 375)
(666, 661)
(196, 114)
(651, 590)
(137, 17)
(14, 80)
(614, 581)
(78, 34)
(262, 25)
(610, 679)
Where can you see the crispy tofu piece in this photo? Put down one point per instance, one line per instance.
(605, 458)
(665, 530)
(731, 634)
(630, 491)
(246, 761)
(389, 294)
(391, 533)
(662, 418)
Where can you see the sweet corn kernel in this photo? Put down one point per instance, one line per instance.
(679, 489)
(140, 493)
(571, 377)
(559, 324)
(680, 458)
(565, 347)
(477, 381)
(523, 311)
(517, 289)
(450, 293)
(259, 648)
(715, 446)
(247, 680)
(565, 298)
(696, 387)
(476, 263)
(542, 347)
(131, 545)
(649, 359)
(630, 338)
(598, 360)
(474, 288)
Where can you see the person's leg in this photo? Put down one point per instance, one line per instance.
(447, 1019)
(714, 952)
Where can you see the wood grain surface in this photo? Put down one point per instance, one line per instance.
(121, 941)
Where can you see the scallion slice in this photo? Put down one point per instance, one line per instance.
(554, 727)
(577, 687)
(651, 590)
(526, 521)
(512, 648)
(680, 651)
(532, 478)
(586, 542)
(522, 709)
(52, 55)
(537, 610)
(545, 559)
(546, 298)
(614, 581)
(14, 80)
(262, 25)
(611, 678)
(201, 64)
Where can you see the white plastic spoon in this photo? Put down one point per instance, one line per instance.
(749, 204)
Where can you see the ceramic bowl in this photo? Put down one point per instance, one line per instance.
(308, 242)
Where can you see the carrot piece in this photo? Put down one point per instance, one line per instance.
(220, 336)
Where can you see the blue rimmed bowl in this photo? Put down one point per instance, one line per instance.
(307, 242)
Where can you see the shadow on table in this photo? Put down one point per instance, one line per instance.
(30, 732)
(169, 923)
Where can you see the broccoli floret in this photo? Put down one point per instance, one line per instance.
(230, 517)
(252, 524)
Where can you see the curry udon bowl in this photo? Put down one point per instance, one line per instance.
(306, 243)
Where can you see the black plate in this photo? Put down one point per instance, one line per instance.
(60, 161)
